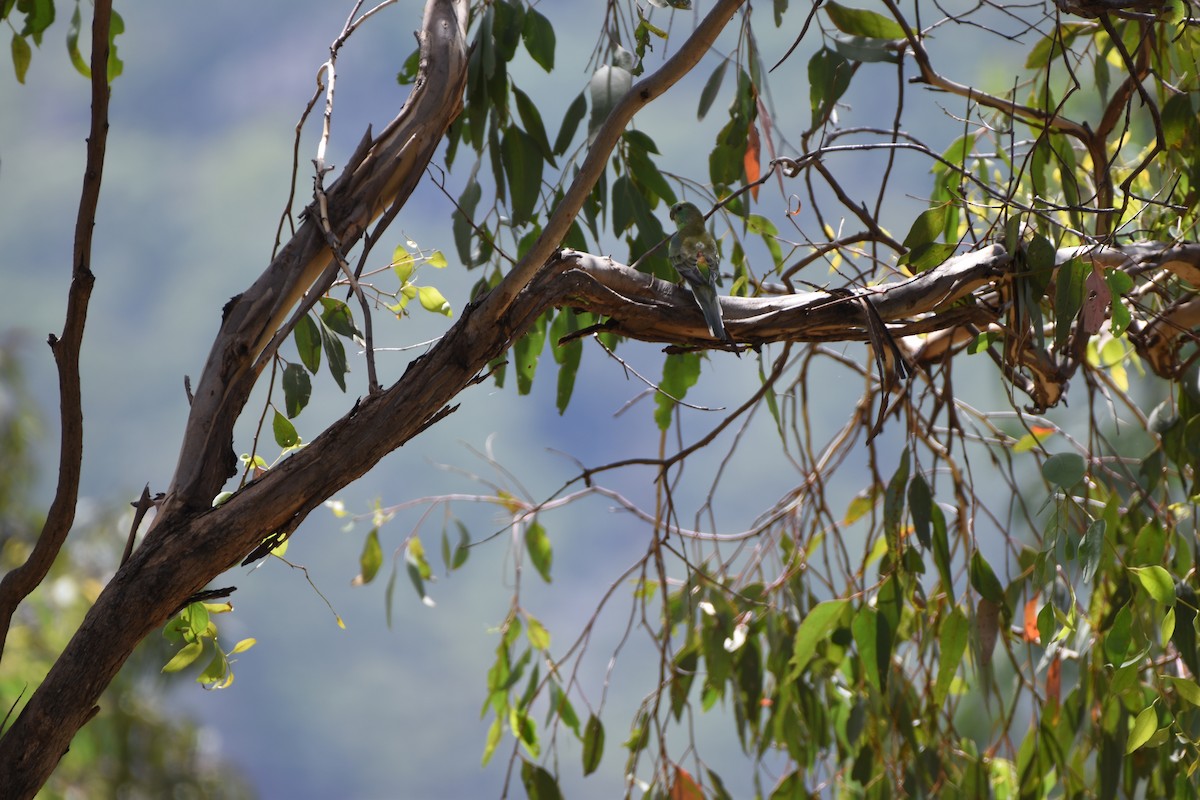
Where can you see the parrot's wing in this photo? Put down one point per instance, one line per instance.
(684, 262)
(712, 258)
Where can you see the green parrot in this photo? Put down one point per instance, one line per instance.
(693, 254)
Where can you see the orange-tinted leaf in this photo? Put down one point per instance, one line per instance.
(1031, 619)
(751, 160)
(1053, 681)
(685, 787)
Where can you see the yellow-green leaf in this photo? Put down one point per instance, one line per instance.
(539, 637)
(432, 300)
(1143, 728)
(186, 655)
(371, 558)
(817, 625)
(1186, 688)
(1157, 583)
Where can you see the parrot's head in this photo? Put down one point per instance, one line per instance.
(686, 214)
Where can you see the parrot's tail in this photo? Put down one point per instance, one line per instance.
(711, 308)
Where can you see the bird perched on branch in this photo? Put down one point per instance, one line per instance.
(693, 254)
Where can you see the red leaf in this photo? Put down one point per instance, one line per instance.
(750, 160)
(685, 787)
(1031, 616)
(1053, 680)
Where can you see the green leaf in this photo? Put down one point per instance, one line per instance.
(1157, 583)
(418, 568)
(645, 173)
(523, 163)
(1064, 469)
(73, 30)
(567, 355)
(493, 738)
(538, 545)
(570, 124)
(335, 356)
(285, 432)
(539, 784)
(115, 65)
(625, 197)
(1091, 547)
(984, 580)
(952, 642)
(538, 35)
(1039, 257)
(829, 76)
(1143, 728)
(865, 629)
(924, 252)
(463, 550)
(1166, 628)
(22, 56)
(1068, 298)
(217, 672)
(371, 558)
(189, 653)
(507, 29)
(860, 22)
(308, 343)
(1179, 119)
(713, 85)
(680, 373)
(814, 629)
(408, 71)
(893, 503)
(927, 256)
(560, 704)
(537, 634)
(1118, 637)
(297, 389)
(1186, 688)
(198, 619)
(531, 118)
(941, 550)
(526, 353)
(920, 506)
(593, 744)
(461, 220)
(338, 318)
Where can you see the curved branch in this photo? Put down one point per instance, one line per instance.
(22, 580)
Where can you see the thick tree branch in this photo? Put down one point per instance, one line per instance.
(381, 174)
(19, 582)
